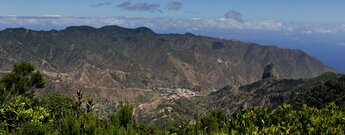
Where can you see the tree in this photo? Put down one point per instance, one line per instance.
(23, 79)
(89, 105)
(23, 110)
(215, 121)
(59, 104)
(79, 100)
(123, 116)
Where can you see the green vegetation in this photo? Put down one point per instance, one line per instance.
(329, 90)
(22, 80)
(23, 113)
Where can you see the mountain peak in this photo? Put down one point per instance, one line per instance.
(144, 30)
(80, 28)
(21, 29)
(111, 28)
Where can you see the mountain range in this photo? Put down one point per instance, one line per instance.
(164, 75)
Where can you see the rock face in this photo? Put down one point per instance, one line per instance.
(270, 72)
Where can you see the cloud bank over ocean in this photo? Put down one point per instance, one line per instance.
(191, 24)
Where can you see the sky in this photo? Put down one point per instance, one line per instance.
(314, 26)
(325, 11)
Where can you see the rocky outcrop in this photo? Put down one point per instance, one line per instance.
(270, 72)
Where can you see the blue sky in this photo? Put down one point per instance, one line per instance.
(325, 11)
(314, 26)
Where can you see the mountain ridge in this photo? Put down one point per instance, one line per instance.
(133, 45)
(112, 64)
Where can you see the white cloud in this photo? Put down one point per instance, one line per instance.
(141, 7)
(193, 24)
(233, 14)
(307, 32)
(174, 5)
(52, 16)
